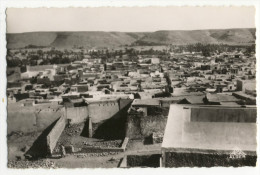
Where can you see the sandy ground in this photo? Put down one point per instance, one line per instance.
(111, 161)
(18, 145)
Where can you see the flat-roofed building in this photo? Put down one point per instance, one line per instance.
(204, 135)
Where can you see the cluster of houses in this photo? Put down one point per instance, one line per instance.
(149, 87)
(226, 79)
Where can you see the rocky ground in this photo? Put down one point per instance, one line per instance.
(79, 160)
(20, 164)
(74, 136)
(102, 154)
(19, 143)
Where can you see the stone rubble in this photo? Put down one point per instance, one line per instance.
(31, 164)
(102, 154)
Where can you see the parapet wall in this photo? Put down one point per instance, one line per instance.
(210, 128)
(55, 133)
(244, 115)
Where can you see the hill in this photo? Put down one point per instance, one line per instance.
(115, 39)
(225, 36)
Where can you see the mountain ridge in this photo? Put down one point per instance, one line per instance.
(90, 39)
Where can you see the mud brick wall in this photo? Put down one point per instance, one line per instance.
(30, 118)
(55, 133)
(143, 160)
(174, 159)
(77, 114)
(152, 124)
(103, 110)
(109, 119)
(133, 125)
(246, 115)
(140, 126)
(99, 150)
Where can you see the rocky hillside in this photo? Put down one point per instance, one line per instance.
(115, 39)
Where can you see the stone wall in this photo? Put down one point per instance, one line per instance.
(92, 149)
(140, 126)
(133, 125)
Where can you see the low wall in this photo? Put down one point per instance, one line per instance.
(93, 149)
(55, 133)
(99, 150)
(125, 142)
(143, 160)
(123, 163)
(174, 159)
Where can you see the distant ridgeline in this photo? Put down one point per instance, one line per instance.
(114, 39)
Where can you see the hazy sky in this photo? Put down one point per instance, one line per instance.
(131, 19)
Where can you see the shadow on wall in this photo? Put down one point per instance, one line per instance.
(148, 140)
(143, 160)
(174, 160)
(85, 129)
(39, 147)
(113, 128)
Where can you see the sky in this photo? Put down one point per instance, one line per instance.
(128, 19)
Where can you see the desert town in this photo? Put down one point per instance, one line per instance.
(173, 106)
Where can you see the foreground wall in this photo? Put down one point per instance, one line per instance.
(39, 117)
(55, 133)
(211, 134)
(175, 160)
